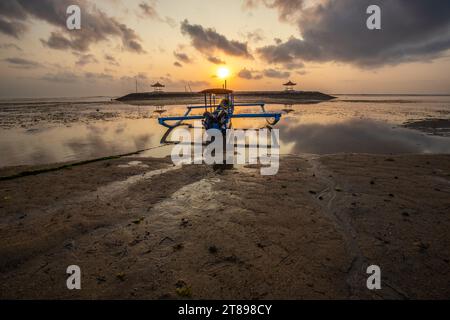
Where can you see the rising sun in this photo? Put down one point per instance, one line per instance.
(223, 72)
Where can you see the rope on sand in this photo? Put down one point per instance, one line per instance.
(70, 165)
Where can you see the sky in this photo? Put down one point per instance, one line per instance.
(322, 45)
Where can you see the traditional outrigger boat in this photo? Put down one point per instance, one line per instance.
(219, 116)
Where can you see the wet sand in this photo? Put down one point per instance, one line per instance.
(143, 228)
(438, 127)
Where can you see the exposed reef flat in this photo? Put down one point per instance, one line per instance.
(173, 98)
(141, 228)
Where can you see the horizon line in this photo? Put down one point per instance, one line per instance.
(338, 94)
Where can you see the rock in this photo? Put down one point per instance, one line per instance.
(421, 245)
(184, 223)
(182, 289)
(100, 279)
(213, 249)
(177, 247)
(138, 221)
(120, 276)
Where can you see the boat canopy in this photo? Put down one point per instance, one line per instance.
(216, 91)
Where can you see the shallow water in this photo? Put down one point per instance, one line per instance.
(57, 130)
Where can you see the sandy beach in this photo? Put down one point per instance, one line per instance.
(143, 228)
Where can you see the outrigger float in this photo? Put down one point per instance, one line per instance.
(219, 116)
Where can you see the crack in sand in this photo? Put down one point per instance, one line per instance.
(356, 273)
(341, 221)
(116, 187)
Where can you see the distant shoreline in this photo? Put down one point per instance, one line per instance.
(100, 98)
(168, 98)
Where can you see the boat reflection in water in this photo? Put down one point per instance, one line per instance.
(159, 110)
(287, 108)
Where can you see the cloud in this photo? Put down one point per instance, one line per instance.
(412, 30)
(215, 60)
(61, 77)
(207, 40)
(22, 63)
(249, 74)
(131, 79)
(181, 83)
(294, 65)
(58, 41)
(67, 77)
(12, 28)
(288, 9)
(272, 73)
(256, 75)
(255, 36)
(10, 46)
(96, 25)
(111, 60)
(183, 57)
(177, 64)
(84, 59)
(149, 11)
(97, 76)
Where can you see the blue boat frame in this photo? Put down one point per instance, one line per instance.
(212, 107)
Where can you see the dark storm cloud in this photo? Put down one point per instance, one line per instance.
(22, 63)
(206, 40)
(12, 9)
(335, 30)
(183, 57)
(215, 60)
(96, 25)
(12, 28)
